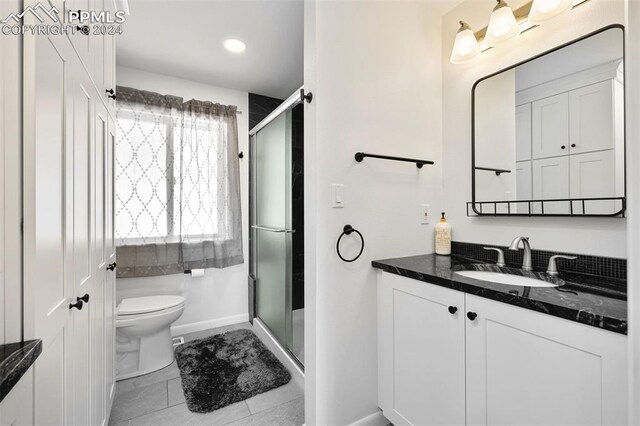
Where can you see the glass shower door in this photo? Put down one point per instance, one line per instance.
(272, 231)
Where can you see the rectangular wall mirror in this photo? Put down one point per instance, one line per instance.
(548, 133)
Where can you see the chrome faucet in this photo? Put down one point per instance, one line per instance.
(526, 260)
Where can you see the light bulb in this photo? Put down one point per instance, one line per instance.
(234, 45)
(541, 10)
(502, 24)
(465, 46)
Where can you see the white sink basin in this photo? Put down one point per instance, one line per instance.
(508, 279)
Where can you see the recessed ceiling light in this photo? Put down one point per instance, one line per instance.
(234, 45)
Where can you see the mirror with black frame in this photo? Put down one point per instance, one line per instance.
(548, 133)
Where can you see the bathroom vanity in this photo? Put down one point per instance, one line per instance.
(457, 350)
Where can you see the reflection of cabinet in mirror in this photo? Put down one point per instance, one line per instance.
(572, 138)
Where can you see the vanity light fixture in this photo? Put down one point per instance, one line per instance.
(506, 23)
(466, 46)
(541, 10)
(502, 24)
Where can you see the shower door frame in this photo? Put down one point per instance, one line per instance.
(292, 101)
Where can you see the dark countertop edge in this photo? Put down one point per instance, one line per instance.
(609, 324)
(16, 364)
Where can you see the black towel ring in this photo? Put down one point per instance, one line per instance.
(347, 230)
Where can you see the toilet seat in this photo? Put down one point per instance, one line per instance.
(148, 304)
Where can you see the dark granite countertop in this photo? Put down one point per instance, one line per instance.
(588, 299)
(15, 360)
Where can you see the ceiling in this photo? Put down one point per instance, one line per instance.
(183, 38)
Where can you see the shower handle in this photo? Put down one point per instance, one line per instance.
(265, 228)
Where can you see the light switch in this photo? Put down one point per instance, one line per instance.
(338, 195)
(425, 214)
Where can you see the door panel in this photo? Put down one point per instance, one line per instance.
(273, 220)
(551, 181)
(528, 368)
(592, 117)
(593, 176)
(420, 352)
(48, 205)
(82, 248)
(550, 126)
(110, 276)
(523, 132)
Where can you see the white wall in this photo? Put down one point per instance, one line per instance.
(596, 236)
(220, 297)
(374, 69)
(632, 78)
(10, 182)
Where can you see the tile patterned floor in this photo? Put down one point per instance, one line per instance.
(157, 399)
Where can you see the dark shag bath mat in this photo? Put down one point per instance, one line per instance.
(226, 368)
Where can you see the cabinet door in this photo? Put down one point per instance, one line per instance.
(529, 368)
(523, 132)
(48, 221)
(523, 180)
(550, 126)
(99, 315)
(551, 181)
(593, 176)
(83, 43)
(110, 256)
(592, 117)
(420, 352)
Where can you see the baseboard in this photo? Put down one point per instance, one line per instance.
(375, 419)
(179, 330)
(274, 346)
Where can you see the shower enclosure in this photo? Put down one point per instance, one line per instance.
(277, 231)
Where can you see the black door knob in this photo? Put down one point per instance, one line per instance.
(77, 305)
(472, 315)
(111, 266)
(84, 298)
(452, 310)
(563, 147)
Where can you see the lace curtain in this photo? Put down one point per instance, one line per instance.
(177, 185)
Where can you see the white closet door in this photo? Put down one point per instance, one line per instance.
(592, 117)
(523, 180)
(81, 236)
(550, 126)
(48, 222)
(110, 256)
(523, 132)
(593, 176)
(551, 181)
(100, 344)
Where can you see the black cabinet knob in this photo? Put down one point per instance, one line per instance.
(111, 266)
(472, 315)
(452, 310)
(573, 145)
(77, 305)
(563, 147)
(84, 298)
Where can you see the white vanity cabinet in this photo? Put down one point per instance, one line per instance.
(507, 366)
(420, 352)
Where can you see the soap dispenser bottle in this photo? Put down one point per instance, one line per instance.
(443, 237)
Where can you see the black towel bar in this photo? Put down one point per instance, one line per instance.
(419, 163)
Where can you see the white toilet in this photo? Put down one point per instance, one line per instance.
(143, 335)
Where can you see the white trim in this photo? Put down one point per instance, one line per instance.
(283, 355)
(608, 71)
(179, 330)
(375, 419)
